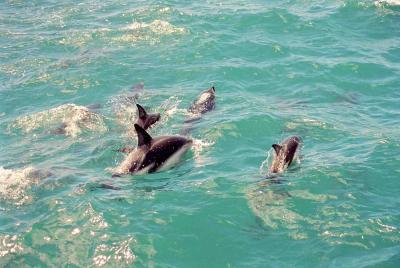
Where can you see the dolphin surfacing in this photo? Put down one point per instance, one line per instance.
(285, 153)
(153, 154)
(204, 103)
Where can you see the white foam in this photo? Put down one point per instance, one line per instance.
(388, 2)
(117, 252)
(126, 112)
(150, 32)
(10, 244)
(198, 147)
(157, 26)
(15, 184)
(75, 118)
(171, 106)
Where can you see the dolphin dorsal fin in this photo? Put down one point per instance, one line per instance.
(277, 148)
(142, 111)
(143, 137)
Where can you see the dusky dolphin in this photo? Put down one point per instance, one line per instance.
(146, 120)
(136, 91)
(284, 154)
(204, 103)
(153, 154)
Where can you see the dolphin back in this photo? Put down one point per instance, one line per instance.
(285, 153)
(162, 150)
(204, 103)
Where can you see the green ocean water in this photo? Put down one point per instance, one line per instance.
(327, 71)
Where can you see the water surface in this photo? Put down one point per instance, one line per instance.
(327, 71)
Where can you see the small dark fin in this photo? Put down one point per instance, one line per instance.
(277, 148)
(143, 137)
(212, 89)
(60, 130)
(142, 112)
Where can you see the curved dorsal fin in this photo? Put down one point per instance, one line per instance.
(142, 111)
(277, 148)
(143, 137)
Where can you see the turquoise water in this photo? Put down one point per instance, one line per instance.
(325, 70)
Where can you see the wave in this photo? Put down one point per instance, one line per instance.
(151, 32)
(68, 119)
(157, 26)
(16, 183)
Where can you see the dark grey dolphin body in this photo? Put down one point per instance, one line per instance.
(204, 103)
(146, 120)
(152, 154)
(136, 91)
(284, 154)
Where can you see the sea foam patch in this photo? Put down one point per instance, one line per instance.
(142, 31)
(16, 183)
(68, 119)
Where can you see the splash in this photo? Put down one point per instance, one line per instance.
(169, 107)
(198, 148)
(264, 168)
(73, 119)
(126, 112)
(15, 184)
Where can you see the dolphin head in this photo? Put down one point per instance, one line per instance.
(211, 90)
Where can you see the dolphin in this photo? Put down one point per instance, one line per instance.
(284, 154)
(153, 154)
(136, 91)
(204, 103)
(146, 120)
